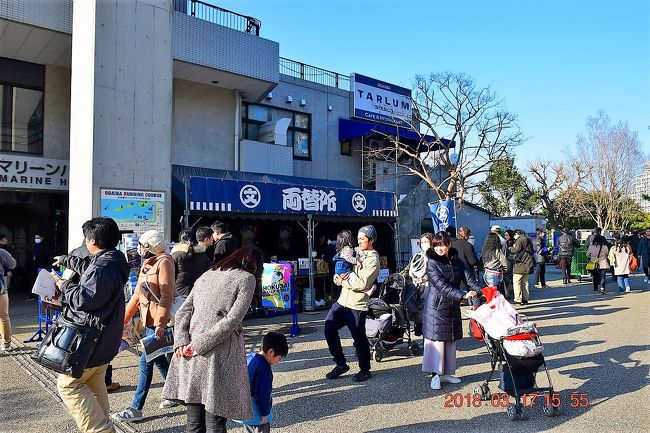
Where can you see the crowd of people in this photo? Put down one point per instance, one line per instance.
(207, 324)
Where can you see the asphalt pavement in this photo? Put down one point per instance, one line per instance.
(597, 349)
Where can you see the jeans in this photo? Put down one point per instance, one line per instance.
(598, 278)
(566, 268)
(87, 400)
(146, 376)
(540, 274)
(338, 317)
(201, 421)
(623, 282)
(491, 279)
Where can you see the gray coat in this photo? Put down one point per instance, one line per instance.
(211, 321)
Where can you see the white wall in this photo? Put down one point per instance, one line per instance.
(204, 126)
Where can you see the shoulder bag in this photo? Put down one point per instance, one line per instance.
(593, 263)
(67, 347)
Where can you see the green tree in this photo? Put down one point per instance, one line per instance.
(505, 192)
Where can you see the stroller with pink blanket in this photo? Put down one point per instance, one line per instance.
(514, 346)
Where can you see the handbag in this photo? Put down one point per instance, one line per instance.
(634, 262)
(67, 347)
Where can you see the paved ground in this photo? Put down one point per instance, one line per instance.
(596, 345)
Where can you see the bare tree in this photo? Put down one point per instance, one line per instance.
(611, 156)
(551, 179)
(452, 108)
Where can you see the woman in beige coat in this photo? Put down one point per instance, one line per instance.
(208, 372)
(598, 250)
(619, 257)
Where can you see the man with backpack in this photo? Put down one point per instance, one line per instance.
(566, 244)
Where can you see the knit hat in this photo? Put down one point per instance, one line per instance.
(153, 241)
(369, 231)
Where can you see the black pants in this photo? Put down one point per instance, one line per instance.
(598, 278)
(338, 317)
(566, 268)
(201, 421)
(108, 378)
(540, 274)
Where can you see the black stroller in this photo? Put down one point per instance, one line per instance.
(389, 317)
(518, 354)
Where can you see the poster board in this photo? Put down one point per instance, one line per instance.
(276, 286)
(138, 211)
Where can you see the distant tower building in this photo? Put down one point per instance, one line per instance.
(641, 187)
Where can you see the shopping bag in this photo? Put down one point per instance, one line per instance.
(45, 285)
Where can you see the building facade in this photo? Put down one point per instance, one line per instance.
(642, 188)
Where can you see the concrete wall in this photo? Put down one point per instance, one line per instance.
(56, 126)
(121, 102)
(204, 126)
(326, 159)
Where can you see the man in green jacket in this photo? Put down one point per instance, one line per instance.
(350, 310)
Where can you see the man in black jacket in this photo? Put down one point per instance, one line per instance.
(224, 242)
(96, 298)
(466, 252)
(566, 243)
(540, 251)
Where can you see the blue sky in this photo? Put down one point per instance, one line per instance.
(554, 62)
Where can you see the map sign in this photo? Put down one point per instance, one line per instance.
(134, 210)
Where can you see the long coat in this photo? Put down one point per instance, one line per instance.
(441, 320)
(211, 321)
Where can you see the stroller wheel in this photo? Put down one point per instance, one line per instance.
(551, 411)
(484, 391)
(414, 349)
(378, 356)
(515, 412)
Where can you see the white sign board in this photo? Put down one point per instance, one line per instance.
(380, 102)
(32, 172)
(134, 210)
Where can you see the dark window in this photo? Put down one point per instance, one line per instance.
(346, 148)
(21, 106)
(298, 133)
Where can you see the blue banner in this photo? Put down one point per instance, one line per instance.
(443, 215)
(240, 196)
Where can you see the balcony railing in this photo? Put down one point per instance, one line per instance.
(314, 74)
(217, 15)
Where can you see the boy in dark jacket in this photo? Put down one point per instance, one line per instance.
(274, 348)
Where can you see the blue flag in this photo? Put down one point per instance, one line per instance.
(443, 214)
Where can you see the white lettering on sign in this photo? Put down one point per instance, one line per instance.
(33, 172)
(315, 200)
(381, 102)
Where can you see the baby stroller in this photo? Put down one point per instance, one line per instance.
(388, 321)
(514, 346)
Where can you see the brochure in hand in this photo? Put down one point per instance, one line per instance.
(153, 348)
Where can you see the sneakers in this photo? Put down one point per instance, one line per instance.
(435, 382)
(337, 371)
(128, 414)
(114, 386)
(449, 378)
(361, 376)
(628, 289)
(6, 347)
(319, 302)
(166, 404)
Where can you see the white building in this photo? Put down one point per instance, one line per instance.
(641, 187)
(121, 108)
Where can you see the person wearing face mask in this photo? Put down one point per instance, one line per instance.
(41, 259)
(417, 271)
(155, 280)
(441, 320)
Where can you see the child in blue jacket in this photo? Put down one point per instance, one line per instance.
(274, 348)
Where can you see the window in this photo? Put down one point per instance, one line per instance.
(346, 148)
(21, 106)
(298, 134)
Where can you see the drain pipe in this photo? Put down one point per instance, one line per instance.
(237, 126)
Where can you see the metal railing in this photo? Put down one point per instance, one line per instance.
(315, 75)
(217, 15)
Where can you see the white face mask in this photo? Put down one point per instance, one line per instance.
(425, 246)
(37, 241)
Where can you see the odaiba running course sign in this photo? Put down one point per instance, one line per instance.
(378, 101)
(227, 195)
